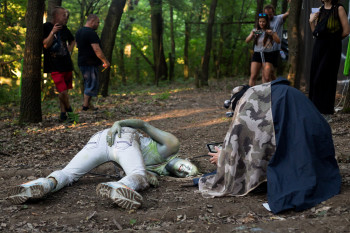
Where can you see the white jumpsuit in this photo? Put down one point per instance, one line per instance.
(125, 151)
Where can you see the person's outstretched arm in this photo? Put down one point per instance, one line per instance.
(168, 144)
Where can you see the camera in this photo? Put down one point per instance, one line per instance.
(258, 32)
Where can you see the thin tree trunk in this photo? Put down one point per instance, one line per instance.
(30, 108)
(137, 70)
(274, 3)
(206, 57)
(121, 63)
(50, 6)
(186, 47)
(284, 6)
(157, 39)
(172, 55)
(220, 52)
(243, 15)
(294, 38)
(214, 49)
(108, 35)
(82, 13)
(259, 8)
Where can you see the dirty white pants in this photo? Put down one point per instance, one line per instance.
(125, 151)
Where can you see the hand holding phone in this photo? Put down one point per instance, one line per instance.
(211, 146)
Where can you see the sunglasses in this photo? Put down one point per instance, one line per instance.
(262, 14)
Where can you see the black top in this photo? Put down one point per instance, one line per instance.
(86, 36)
(328, 23)
(57, 57)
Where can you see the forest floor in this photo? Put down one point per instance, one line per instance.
(196, 117)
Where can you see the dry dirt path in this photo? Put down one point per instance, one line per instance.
(195, 117)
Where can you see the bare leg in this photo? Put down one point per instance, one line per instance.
(254, 71)
(64, 101)
(267, 72)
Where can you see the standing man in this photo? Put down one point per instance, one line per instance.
(276, 25)
(90, 56)
(58, 45)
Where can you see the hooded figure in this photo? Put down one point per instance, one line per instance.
(276, 135)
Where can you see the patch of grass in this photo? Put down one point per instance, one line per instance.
(161, 96)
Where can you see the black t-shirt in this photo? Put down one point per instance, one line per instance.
(86, 36)
(57, 57)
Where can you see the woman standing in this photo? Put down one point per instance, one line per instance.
(329, 26)
(263, 38)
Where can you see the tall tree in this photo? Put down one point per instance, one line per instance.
(242, 15)
(50, 6)
(30, 108)
(172, 39)
(108, 35)
(186, 48)
(161, 69)
(274, 3)
(204, 76)
(259, 7)
(294, 40)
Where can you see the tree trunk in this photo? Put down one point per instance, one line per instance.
(206, 57)
(161, 69)
(82, 13)
(220, 52)
(30, 108)
(122, 63)
(214, 49)
(242, 16)
(108, 35)
(186, 47)
(259, 8)
(50, 6)
(294, 38)
(274, 3)
(284, 6)
(172, 54)
(137, 70)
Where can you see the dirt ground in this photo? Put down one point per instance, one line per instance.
(196, 117)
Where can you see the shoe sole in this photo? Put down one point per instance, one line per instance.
(15, 197)
(126, 198)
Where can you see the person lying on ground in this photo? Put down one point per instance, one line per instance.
(276, 136)
(141, 157)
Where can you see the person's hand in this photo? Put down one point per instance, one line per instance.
(313, 17)
(215, 156)
(106, 64)
(56, 28)
(269, 32)
(116, 128)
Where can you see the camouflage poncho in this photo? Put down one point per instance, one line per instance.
(248, 146)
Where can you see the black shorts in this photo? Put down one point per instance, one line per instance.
(271, 57)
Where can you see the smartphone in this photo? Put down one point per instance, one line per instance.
(315, 10)
(211, 146)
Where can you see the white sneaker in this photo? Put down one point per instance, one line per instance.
(120, 194)
(32, 190)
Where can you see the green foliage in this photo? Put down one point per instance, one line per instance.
(12, 27)
(8, 95)
(161, 96)
(132, 222)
